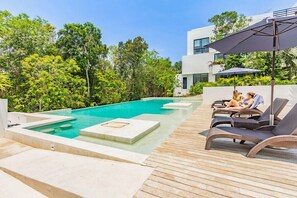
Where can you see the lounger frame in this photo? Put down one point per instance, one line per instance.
(287, 141)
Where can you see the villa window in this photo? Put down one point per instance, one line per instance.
(199, 46)
(218, 56)
(203, 77)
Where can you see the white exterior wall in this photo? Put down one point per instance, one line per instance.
(3, 116)
(178, 90)
(198, 63)
(211, 94)
(198, 33)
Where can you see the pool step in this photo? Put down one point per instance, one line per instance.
(65, 175)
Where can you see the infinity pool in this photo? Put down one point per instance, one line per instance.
(141, 109)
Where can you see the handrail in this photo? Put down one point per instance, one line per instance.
(285, 12)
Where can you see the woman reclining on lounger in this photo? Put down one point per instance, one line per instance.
(236, 99)
(247, 103)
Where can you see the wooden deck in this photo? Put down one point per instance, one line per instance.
(184, 169)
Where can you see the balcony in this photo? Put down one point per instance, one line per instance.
(285, 12)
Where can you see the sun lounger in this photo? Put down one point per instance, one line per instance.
(219, 103)
(252, 122)
(282, 135)
(253, 110)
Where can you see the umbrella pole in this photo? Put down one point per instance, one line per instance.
(271, 121)
(234, 84)
(271, 118)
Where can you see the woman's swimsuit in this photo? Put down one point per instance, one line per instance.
(245, 102)
(238, 98)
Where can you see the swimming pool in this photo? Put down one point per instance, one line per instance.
(141, 109)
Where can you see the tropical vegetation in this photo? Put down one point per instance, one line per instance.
(42, 68)
(246, 80)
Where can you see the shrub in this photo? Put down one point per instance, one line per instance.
(240, 81)
(196, 89)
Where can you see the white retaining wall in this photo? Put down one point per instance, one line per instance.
(211, 94)
(3, 116)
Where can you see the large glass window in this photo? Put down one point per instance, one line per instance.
(199, 46)
(200, 78)
(218, 56)
(185, 82)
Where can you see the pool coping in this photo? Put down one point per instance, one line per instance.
(23, 134)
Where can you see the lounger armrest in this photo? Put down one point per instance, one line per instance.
(250, 112)
(294, 132)
(264, 122)
(277, 119)
(223, 111)
(254, 117)
(266, 128)
(247, 112)
(219, 102)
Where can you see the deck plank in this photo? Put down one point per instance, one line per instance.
(184, 169)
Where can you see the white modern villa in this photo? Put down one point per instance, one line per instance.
(197, 64)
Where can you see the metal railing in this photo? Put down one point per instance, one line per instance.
(285, 12)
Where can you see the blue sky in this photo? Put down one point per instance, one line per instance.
(163, 23)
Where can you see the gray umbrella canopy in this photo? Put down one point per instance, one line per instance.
(260, 37)
(236, 71)
(270, 34)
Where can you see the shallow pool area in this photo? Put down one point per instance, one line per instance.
(150, 110)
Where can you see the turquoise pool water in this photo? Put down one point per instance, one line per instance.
(142, 109)
(91, 116)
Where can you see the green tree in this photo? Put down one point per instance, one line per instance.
(234, 60)
(4, 84)
(109, 88)
(260, 61)
(159, 76)
(289, 58)
(20, 38)
(178, 67)
(227, 23)
(82, 42)
(49, 84)
(127, 59)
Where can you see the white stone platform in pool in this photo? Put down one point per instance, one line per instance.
(177, 105)
(121, 130)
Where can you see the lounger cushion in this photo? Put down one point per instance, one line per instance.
(245, 123)
(261, 135)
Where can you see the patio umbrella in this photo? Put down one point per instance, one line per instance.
(236, 71)
(270, 34)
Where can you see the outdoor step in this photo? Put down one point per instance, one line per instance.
(9, 148)
(11, 187)
(66, 175)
